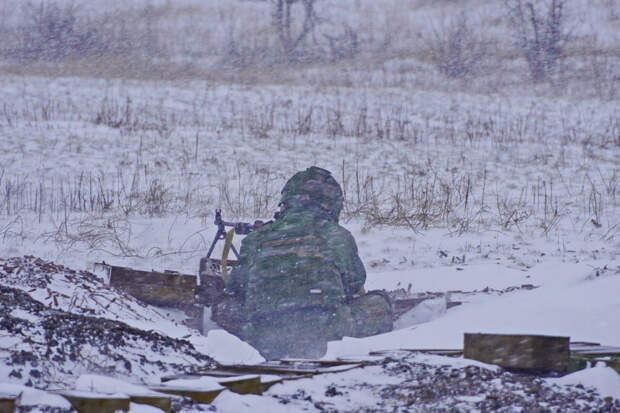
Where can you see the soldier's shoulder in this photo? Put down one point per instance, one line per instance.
(336, 230)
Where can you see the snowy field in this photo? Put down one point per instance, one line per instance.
(472, 186)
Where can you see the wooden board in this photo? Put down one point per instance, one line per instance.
(166, 289)
(287, 369)
(235, 377)
(201, 396)
(613, 363)
(519, 351)
(593, 349)
(85, 402)
(7, 404)
(265, 385)
(401, 305)
(161, 402)
(322, 363)
(242, 384)
(266, 381)
(438, 352)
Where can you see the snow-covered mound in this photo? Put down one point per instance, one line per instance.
(571, 300)
(83, 293)
(76, 292)
(48, 348)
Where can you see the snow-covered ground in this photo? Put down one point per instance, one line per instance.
(504, 196)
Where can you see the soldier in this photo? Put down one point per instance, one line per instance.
(299, 281)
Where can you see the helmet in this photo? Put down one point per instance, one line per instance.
(314, 189)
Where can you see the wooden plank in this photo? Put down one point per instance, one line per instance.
(167, 289)
(519, 351)
(161, 402)
(322, 363)
(585, 349)
(595, 351)
(287, 370)
(401, 305)
(201, 396)
(266, 380)
(438, 352)
(577, 344)
(614, 364)
(266, 384)
(284, 370)
(86, 402)
(250, 384)
(7, 404)
(238, 383)
(224, 374)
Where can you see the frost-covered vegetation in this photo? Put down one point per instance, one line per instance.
(564, 47)
(464, 116)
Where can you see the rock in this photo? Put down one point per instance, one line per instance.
(297, 274)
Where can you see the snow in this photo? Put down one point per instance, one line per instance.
(605, 380)
(103, 384)
(229, 349)
(244, 377)
(24, 315)
(204, 383)
(424, 312)
(456, 362)
(29, 396)
(90, 394)
(143, 408)
(442, 279)
(357, 394)
(228, 401)
(567, 303)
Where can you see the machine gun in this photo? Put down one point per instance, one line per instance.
(213, 266)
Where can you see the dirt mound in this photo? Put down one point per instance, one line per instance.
(44, 345)
(417, 382)
(60, 287)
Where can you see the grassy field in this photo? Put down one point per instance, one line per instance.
(428, 113)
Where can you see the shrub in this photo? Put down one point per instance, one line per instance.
(541, 34)
(53, 32)
(455, 49)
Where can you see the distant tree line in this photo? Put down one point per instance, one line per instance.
(52, 31)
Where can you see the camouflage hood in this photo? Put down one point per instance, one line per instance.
(313, 190)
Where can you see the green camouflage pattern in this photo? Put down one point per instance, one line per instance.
(370, 314)
(296, 275)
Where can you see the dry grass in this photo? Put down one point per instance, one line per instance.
(459, 167)
(433, 171)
